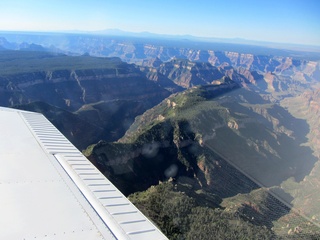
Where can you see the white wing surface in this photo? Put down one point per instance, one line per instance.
(49, 190)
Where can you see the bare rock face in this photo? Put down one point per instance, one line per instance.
(72, 89)
(187, 74)
(233, 124)
(75, 81)
(284, 75)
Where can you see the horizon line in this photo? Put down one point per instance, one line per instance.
(120, 32)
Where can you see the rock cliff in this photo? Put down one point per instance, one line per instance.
(70, 82)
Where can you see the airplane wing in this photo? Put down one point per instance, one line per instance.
(49, 190)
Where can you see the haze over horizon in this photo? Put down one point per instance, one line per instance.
(286, 21)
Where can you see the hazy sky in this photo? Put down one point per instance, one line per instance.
(289, 21)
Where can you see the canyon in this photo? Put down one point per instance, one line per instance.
(227, 127)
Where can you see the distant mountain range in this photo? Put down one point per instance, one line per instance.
(106, 43)
(187, 37)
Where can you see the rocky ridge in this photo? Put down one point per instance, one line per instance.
(220, 139)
